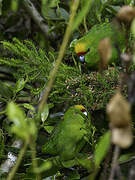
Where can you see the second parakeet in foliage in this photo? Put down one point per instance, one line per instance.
(87, 46)
(68, 137)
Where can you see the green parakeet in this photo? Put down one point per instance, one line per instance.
(87, 46)
(67, 138)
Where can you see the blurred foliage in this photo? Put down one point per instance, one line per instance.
(25, 65)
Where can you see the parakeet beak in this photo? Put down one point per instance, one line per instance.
(82, 58)
(85, 113)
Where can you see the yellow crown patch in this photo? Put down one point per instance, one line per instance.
(81, 107)
(80, 47)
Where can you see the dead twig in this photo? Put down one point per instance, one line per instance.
(115, 167)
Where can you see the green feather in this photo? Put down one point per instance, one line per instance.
(67, 139)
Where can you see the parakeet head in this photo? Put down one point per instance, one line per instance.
(81, 108)
(81, 50)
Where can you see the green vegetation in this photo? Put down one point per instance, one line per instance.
(42, 133)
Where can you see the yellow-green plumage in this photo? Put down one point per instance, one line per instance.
(89, 43)
(67, 139)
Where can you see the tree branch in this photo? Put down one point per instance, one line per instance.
(60, 55)
(39, 20)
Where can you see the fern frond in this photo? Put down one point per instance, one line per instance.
(11, 62)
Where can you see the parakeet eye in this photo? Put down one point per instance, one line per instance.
(82, 58)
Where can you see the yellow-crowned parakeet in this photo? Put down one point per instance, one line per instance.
(67, 138)
(87, 46)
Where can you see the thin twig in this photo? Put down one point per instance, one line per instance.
(106, 164)
(20, 156)
(115, 162)
(34, 160)
(61, 54)
(85, 24)
(132, 171)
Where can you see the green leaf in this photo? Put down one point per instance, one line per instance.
(22, 126)
(63, 13)
(69, 163)
(32, 127)
(85, 161)
(133, 32)
(83, 12)
(49, 129)
(54, 3)
(5, 90)
(47, 11)
(45, 113)
(14, 5)
(102, 148)
(28, 106)
(49, 165)
(20, 84)
(126, 157)
(133, 28)
(15, 114)
(21, 132)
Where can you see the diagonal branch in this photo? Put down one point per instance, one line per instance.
(39, 20)
(60, 55)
